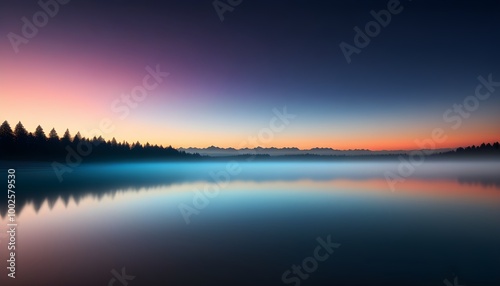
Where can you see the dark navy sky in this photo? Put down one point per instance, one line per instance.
(226, 76)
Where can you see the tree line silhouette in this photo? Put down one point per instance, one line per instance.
(19, 144)
(485, 150)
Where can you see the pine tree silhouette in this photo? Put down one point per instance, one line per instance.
(6, 133)
(20, 133)
(6, 139)
(21, 145)
(40, 134)
(21, 140)
(66, 139)
(53, 137)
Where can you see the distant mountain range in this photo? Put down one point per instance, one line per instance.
(218, 152)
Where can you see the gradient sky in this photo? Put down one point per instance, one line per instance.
(226, 77)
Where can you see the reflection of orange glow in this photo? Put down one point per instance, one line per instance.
(432, 189)
(442, 189)
(77, 226)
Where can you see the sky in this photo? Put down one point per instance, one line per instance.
(225, 77)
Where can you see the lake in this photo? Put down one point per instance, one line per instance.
(256, 223)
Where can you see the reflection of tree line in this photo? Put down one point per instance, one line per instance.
(23, 145)
(36, 187)
(482, 180)
(41, 186)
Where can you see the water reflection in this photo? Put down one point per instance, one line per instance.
(38, 183)
(104, 217)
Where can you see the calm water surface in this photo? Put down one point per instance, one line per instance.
(440, 223)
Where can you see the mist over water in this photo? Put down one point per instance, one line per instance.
(260, 218)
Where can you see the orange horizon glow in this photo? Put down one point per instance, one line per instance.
(372, 144)
(57, 90)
